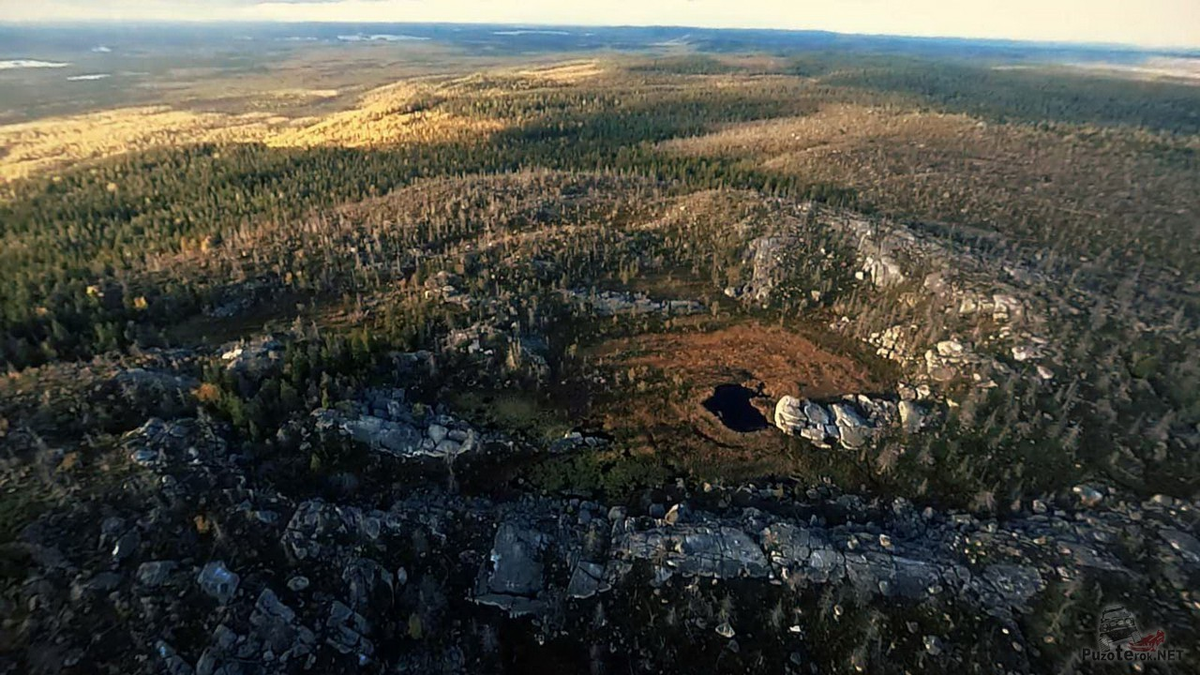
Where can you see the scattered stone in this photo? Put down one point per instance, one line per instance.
(950, 349)
(126, 546)
(1186, 545)
(173, 663)
(437, 433)
(218, 582)
(912, 417)
(104, 582)
(587, 580)
(1088, 495)
(347, 631)
(610, 303)
(155, 574)
(368, 585)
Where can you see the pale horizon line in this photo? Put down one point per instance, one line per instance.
(1129, 46)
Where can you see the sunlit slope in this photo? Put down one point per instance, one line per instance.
(1045, 184)
(35, 147)
(405, 112)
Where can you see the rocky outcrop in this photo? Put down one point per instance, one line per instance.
(852, 422)
(320, 531)
(712, 551)
(611, 303)
(883, 271)
(159, 444)
(513, 576)
(1001, 306)
(769, 257)
(254, 358)
(324, 582)
(386, 423)
(147, 389)
(950, 359)
(442, 287)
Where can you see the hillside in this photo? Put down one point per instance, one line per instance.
(626, 362)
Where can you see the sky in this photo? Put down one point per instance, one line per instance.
(1157, 23)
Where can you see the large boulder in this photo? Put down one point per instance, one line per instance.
(512, 577)
(852, 422)
(255, 358)
(697, 550)
(396, 438)
(218, 581)
(853, 431)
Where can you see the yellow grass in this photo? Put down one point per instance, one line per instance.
(35, 147)
(405, 112)
(400, 113)
(835, 128)
(566, 73)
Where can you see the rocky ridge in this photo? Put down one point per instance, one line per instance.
(307, 584)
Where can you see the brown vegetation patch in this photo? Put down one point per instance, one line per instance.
(770, 360)
(663, 386)
(784, 362)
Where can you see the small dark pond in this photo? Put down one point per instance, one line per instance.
(731, 404)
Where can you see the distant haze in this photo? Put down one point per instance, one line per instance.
(1158, 23)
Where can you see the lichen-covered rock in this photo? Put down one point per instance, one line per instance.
(912, 416)
(320, 531)
(852, 422)
(697, 550)
(255, 358)
(395, 438)
(511, 578)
